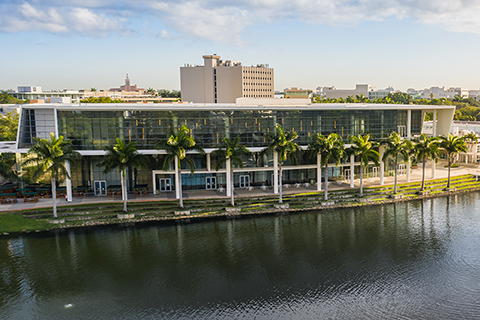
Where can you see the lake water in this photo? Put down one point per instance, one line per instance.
(416, 260)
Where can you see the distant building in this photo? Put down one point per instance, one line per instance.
(37, 95)
(380, 94)
(128, 87)
(223, 81)
(334, 93)
(296, 93)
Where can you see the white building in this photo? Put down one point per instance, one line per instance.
(223, 81)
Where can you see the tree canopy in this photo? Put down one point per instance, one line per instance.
(8, 126)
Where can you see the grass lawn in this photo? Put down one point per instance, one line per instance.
(13, 223)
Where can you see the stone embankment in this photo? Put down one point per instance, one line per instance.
(76, 216)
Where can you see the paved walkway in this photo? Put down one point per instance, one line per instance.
(416, 175)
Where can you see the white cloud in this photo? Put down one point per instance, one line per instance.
(26, 17)
(225, 21)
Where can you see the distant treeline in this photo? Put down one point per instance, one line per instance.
(466, 108)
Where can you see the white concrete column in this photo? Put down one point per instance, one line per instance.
(433, 169)
(352, 170)
(409, 125)
(434, 123)
(154, 183)
(69, 182)
(275, 172)
(228, 178)
(177, 189)
(382, 165)
(208, 162)
(408, 170)
(319, 172)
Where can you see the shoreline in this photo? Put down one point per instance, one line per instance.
(141, 219)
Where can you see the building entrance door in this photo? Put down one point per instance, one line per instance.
(244, 181)
(100, 188)
(347, 174)
(211, 183)
(165, 184)
(374, 172)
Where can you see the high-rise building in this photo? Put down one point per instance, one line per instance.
(223, 81)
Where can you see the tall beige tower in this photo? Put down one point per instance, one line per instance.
(223, 81)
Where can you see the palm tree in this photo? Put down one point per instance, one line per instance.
(122, 156)
(395, 146)
(282, 143)
(425, 149)
(231, 150)
(176, 147)
(331, 147)
(363, 148)
(49, 157)
(452, 145)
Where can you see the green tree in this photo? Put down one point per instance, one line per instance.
(364, 149)
(282, 143)
(329, 148)
(7, 163)
(48, 158)
(452, 145)
(176, 147)
(122, 156)
(93, 89)
(101, 100)
(9, 126)
(6, 98)
(233, 151)
(400, 97)
(394, 147)
(425, 149)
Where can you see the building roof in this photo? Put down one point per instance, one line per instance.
(231, 106)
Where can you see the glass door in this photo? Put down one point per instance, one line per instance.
(244, 181)
(210, 183)
(165, 184)
(100, 188)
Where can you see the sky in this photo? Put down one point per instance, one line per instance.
(80, 44)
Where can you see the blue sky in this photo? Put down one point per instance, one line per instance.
(88, 43)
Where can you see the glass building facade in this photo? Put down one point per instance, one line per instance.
(96, 128)
(93, 130)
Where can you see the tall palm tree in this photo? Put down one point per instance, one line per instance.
(395, 146)
(452, 145)
(364, 148)
(176, 147)
(282, 143)
(425, 149)
(122, 156)
(331, 147)
(231, 150)
(49, 157)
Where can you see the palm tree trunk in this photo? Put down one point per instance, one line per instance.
(396, 175)
(280, 182)
(233, 185)
(54, 197)
(180, 186)
(423, 176)
(326, 182)
(361, 181)
(124, 190)
(449, 166)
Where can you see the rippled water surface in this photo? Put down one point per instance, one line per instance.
(416, 260)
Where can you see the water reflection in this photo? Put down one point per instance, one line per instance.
(367, 262)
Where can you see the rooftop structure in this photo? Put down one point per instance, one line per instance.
(223, 81)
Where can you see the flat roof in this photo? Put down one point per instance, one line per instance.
(228, 106)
